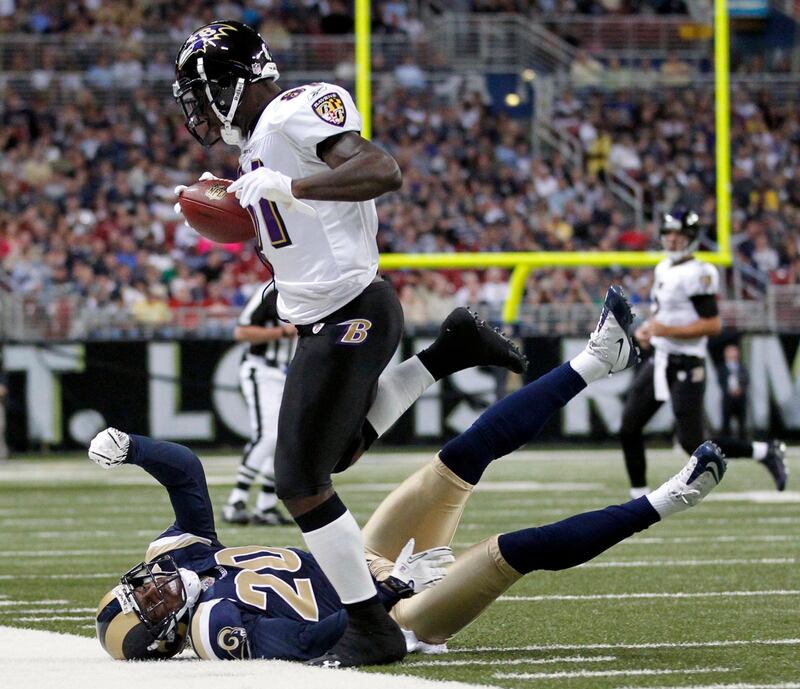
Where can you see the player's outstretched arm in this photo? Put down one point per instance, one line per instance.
(174, 466)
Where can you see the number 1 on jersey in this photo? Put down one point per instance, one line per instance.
(267, 217)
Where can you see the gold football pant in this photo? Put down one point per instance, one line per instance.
(428, 506)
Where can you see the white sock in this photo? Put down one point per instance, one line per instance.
(639, 492)
(237, 495)
(664, 503)
(398, 388)
(760, 450)
(588, 367)
(266, 501)
(339, 549)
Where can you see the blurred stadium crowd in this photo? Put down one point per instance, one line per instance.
(88, 235)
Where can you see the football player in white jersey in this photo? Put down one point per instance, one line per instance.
(262, 375)
(309, 179)
(684, 315)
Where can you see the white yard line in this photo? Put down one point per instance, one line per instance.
(690, 563)
(604, 673)
(52, 618)
(603, 647)
(42, 611)
(23, 603)
(623, 596)
(71, 553)
(658, 540)
(521, 661)
(102, 575)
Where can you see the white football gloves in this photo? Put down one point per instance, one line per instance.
(182, 187)
(109, 448)
(263, 183)
(422, 570)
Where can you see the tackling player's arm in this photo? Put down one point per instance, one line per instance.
(174, 466)
(359, 171)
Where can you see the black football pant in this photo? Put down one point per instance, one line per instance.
(330, 387)
(687, 384)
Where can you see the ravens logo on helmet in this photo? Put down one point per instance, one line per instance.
(213, 68)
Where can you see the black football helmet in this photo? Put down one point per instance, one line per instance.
(213, 68)
(687, 222)
(146, 616)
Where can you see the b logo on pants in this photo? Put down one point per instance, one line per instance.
(356, 331)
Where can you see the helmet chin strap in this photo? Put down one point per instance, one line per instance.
(192, 587)
(230, 135)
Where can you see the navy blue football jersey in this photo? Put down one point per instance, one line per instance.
(257, 601)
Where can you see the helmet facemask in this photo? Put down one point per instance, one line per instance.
(160, 594)
(192, 99)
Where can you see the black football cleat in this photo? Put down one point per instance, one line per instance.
(465, 341)
(370, 638)
(775, 463)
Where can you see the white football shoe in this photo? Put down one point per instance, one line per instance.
(109, 448)
(690, 485)
(612, 340)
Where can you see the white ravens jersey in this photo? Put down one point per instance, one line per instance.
(320, 263)
(672, 292)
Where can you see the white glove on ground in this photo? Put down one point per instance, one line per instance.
(422, 570)
(109, 448)
(263, 183)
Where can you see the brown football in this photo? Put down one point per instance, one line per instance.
(216, 214)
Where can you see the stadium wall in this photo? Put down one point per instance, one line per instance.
(60, 395)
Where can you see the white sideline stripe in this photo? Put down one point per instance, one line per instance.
(75, 662)
(785, 685)
(603, 673)
(622, 596)
(690, 563)
(520, 661)
(609, 647)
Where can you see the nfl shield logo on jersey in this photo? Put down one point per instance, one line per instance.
(330, 108)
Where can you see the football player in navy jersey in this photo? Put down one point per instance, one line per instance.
(268, 602)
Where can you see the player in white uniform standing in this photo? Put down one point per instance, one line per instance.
(262, 375)
(309, 180)
(685, 313)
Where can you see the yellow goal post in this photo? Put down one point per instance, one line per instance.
(522, 263)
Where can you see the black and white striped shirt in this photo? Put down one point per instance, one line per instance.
(261, 310)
